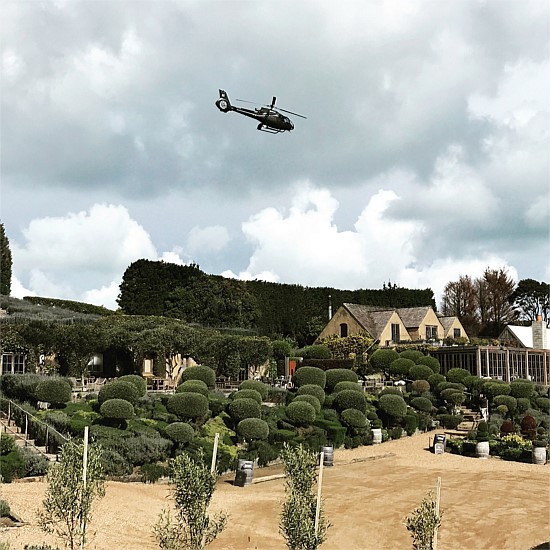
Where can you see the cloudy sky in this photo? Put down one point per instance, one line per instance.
(425, 153)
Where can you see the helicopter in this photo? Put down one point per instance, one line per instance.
(269, 117)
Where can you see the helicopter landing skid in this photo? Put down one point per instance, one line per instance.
(268, 130)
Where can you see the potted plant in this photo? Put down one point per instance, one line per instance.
(539, 451)
(482, 438)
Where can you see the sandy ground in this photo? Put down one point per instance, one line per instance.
(487, 504)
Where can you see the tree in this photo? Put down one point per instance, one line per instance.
(5, 263)
(297, 523)
(531, 298)
(192, 486)
(68, 501)
(496, 286)
(423, 522)
(460, 300)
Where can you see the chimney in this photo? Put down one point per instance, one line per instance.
(539, 333)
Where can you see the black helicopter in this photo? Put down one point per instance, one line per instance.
(271, 120)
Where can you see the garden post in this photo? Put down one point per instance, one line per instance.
(319, 483)
(84, 473)
(26, 426)
(214, 453)
(437, 499)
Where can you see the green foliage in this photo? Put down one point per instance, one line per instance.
(5, 263)
(200, 372)
(422, 404)
(423, 522)
(354, 346)
(543, 403)
(117, 409)
(420, 386)
(248, 394)
(192, 488)
(21, 387)
(412, 354)
(312, 389)
(393, 405)
(7, 444)
(420, 372)
(521, 388)
(151, 473)
(450, 421)
(510, 402)
(382, 358)
(401, 366)
(180, 432)
(458, 375)
(188, 405)
(311, 399)
(301, 413)
(257, 385)
(252, 429)
(410, 423)
(317, 351)
(118, 390)
(194, 386)
(66, 509)
(431, 362)
(55, 391)
(5, 510)
(310, 375)
(239, 409)
(493, 388)
(281, 349)
(138, 381)
(345, 385)
(353, 418)
(333, 376)
(350, 399)
(12, 465)
(435, 379)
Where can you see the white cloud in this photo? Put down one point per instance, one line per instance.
(105, 296)
(207, 239)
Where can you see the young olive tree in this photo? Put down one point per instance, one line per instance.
(192, 488)
(68, 500)
(423, 523)
(298, 516)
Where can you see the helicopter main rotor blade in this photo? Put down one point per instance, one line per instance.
(245, 101)
(290, 112)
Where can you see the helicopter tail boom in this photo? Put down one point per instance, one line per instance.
(223, 103)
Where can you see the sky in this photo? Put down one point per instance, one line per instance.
(425, 154)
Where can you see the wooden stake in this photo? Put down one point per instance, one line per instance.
(437, 500)
(319, 484)
(214, 453)
(84, 475)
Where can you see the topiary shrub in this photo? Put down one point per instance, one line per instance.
(422, 404)
(310, 375)
(248, 394)
(420, 386)
(118, 390)
(410, 423)
(252, 429)
(401, 367)
(420, 372)
(510, 402)
(316, 351)
(382, 358)
(138, 381)
(180, 432)
(435, 379)
(55, 391)
(523, 403)
(301, 413)
(521, 388)
(312, 389)
(393, 405)
(5, 510)
(117, 409)
(431, 362)
(260, 387)
(492, 388)
(528, 426)
(458, 375)
(345, 385)
(200, 372)
(543, 403)
(239, 409)
(353, 418)
(442, 386)
(450, 421)
(188, 405)
(507, 427)
(412, 354)
(339, 375)
(194, 386)
(311, 399)
(350, 399)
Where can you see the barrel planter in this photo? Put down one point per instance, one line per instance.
(377, 435)
(245, 470)
(482, 449)
(539, 455)
(328, 456)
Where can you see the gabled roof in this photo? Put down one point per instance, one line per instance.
(525, 334)
(447, 322)
(413, 316)
(372, 319)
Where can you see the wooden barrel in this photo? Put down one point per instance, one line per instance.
(245, 470)
(328, 456)
(377, 435)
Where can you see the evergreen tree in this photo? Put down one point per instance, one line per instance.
(5, 263)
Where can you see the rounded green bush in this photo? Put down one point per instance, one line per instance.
(248, 394)
(117, 409)
(253, 429)
(257, 385)
(301, 412)
(431, 362)
(188, 405)
(543, 403)
(55, 391)
(239, 409)
(195, 386)
(345, 385)
(442, 386)
(353, 418)
(312, 389)
(420, 386)
(382, 358)
(401, 366)
(421, 404)
(118, 390)
(458, 375)
(420, 372)
(180, 432)
(473, 382)
(521, 388)
(339, 375)
(310, 375)
(315, 351)
(393, 405)
(311, 399)
(200, 372)
(412, 354)
(447, 393)
(493, 388)
(510, 402)
(5, 509)
(523, 403)
(138, 381)
(350, 399)
(435, 379)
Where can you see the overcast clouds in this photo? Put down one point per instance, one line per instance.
(425, 154)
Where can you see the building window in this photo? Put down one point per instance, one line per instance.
(456, 333)
(431, 332)
(13, 363)
(343, 330)
(395, 336)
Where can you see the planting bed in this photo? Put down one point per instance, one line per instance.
(487, 504)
